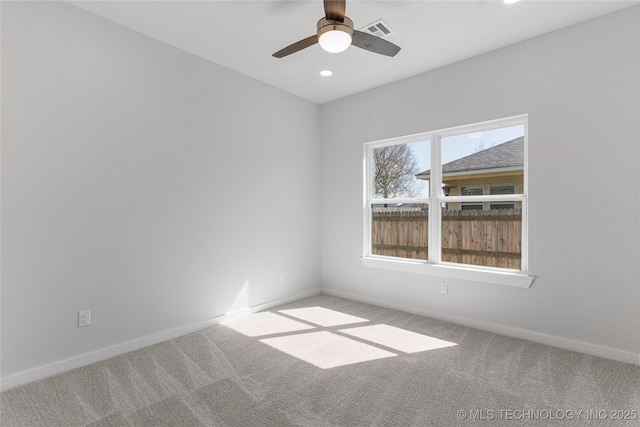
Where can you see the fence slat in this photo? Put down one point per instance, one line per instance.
(487, 238)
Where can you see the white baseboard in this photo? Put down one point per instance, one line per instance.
(235, 315)
(105, 353)
(282, 301)
(35, 374)
(567, 344)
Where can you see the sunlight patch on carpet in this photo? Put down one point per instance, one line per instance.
(397, 339)
(323, 316)
(266, 323)
(326, 350)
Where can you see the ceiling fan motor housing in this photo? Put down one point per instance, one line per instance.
(324, 25)
(335, 36)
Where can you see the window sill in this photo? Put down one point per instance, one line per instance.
(506, 278)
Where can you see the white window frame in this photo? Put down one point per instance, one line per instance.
(434, 265)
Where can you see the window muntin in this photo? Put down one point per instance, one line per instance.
(496, 191)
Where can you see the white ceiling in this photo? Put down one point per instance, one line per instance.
(242, 35)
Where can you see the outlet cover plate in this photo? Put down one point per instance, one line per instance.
(84, 318)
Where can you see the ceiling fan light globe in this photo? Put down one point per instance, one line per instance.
(335, 41)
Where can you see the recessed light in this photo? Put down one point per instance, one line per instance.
(511, 1)
(326, 73)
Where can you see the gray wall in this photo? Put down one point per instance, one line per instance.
(581, 89)
(143, 183)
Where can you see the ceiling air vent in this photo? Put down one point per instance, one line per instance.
(378, 29)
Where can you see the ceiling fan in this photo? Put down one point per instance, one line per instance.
(335, 34)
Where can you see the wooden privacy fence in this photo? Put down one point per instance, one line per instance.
(477, 237)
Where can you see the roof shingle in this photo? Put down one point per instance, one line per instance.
(506, 155)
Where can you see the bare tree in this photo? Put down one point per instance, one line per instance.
(479, 147)
(394, 169)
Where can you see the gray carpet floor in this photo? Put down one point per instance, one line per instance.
(221, 377)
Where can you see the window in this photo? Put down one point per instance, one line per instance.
(495, 189)
(454, 199)
(471, 190)
(492, 189)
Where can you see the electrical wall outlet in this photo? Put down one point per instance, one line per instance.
(84, 318)
(282, 276)
(444, 287)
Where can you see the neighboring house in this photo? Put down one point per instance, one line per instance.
(496, 170)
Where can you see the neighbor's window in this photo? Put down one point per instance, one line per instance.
(454, 197)
(492, 189)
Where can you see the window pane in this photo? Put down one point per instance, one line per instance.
(400, 230)
(475, 190)
(502, 189)
(482, 163)
(489, 238)
(395, 168)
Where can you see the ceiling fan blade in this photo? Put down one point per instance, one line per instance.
(299, 45)
(335, 9)
(374, 44)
